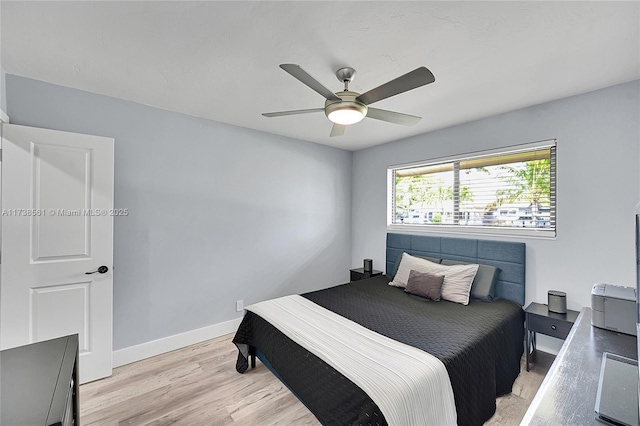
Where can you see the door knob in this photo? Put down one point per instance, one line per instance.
(101, 270)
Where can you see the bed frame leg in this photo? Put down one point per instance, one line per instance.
(252, 355)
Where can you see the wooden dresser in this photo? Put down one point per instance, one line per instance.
(39, 383)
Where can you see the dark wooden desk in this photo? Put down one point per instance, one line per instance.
(567, 395)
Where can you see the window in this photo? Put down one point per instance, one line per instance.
(507, 191)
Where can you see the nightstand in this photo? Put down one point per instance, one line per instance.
(359, 274)
(538, 319)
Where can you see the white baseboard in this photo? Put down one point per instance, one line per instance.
(171, 343)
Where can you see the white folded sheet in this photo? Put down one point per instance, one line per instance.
(410, 386)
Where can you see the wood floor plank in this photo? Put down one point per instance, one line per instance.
(198, 385)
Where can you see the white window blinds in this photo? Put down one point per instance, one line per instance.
(512, 188)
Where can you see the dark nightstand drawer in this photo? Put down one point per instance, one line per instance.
(550, 326)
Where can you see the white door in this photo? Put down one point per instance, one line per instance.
(57, 225)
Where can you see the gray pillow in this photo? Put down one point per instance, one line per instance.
(397, 265)
(484, 283)
(425, 284)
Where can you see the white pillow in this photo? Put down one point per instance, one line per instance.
(409, 263)
(457, 278)
(457, 282)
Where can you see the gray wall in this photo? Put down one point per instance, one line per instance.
(598, 158)
(218, 213)
(221, 213)
(3, 90)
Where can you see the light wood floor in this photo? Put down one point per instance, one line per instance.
(199, 385)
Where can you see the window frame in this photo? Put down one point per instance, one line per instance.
(545, 233)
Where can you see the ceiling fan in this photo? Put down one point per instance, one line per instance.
(347, 107)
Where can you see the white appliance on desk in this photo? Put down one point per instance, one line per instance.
(614, 308)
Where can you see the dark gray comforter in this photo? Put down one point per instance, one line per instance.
(479, 344)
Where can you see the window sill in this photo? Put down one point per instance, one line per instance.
(533, 233)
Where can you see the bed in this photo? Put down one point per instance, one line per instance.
(480, 344)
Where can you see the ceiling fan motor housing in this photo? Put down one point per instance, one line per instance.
(346, 74)
(346, 111)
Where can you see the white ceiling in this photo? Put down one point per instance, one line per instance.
(219, 60)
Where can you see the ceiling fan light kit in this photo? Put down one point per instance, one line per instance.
(347, 111)
(347, 107)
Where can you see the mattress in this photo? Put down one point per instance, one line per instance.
(480, 345)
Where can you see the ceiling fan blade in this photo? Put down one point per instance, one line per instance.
(411, 80)
(294, 112)
(306, 78)
(393, 117)
(337, 130)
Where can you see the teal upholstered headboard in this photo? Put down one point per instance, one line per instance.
(509, 257)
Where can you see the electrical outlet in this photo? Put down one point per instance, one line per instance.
(239, 305)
